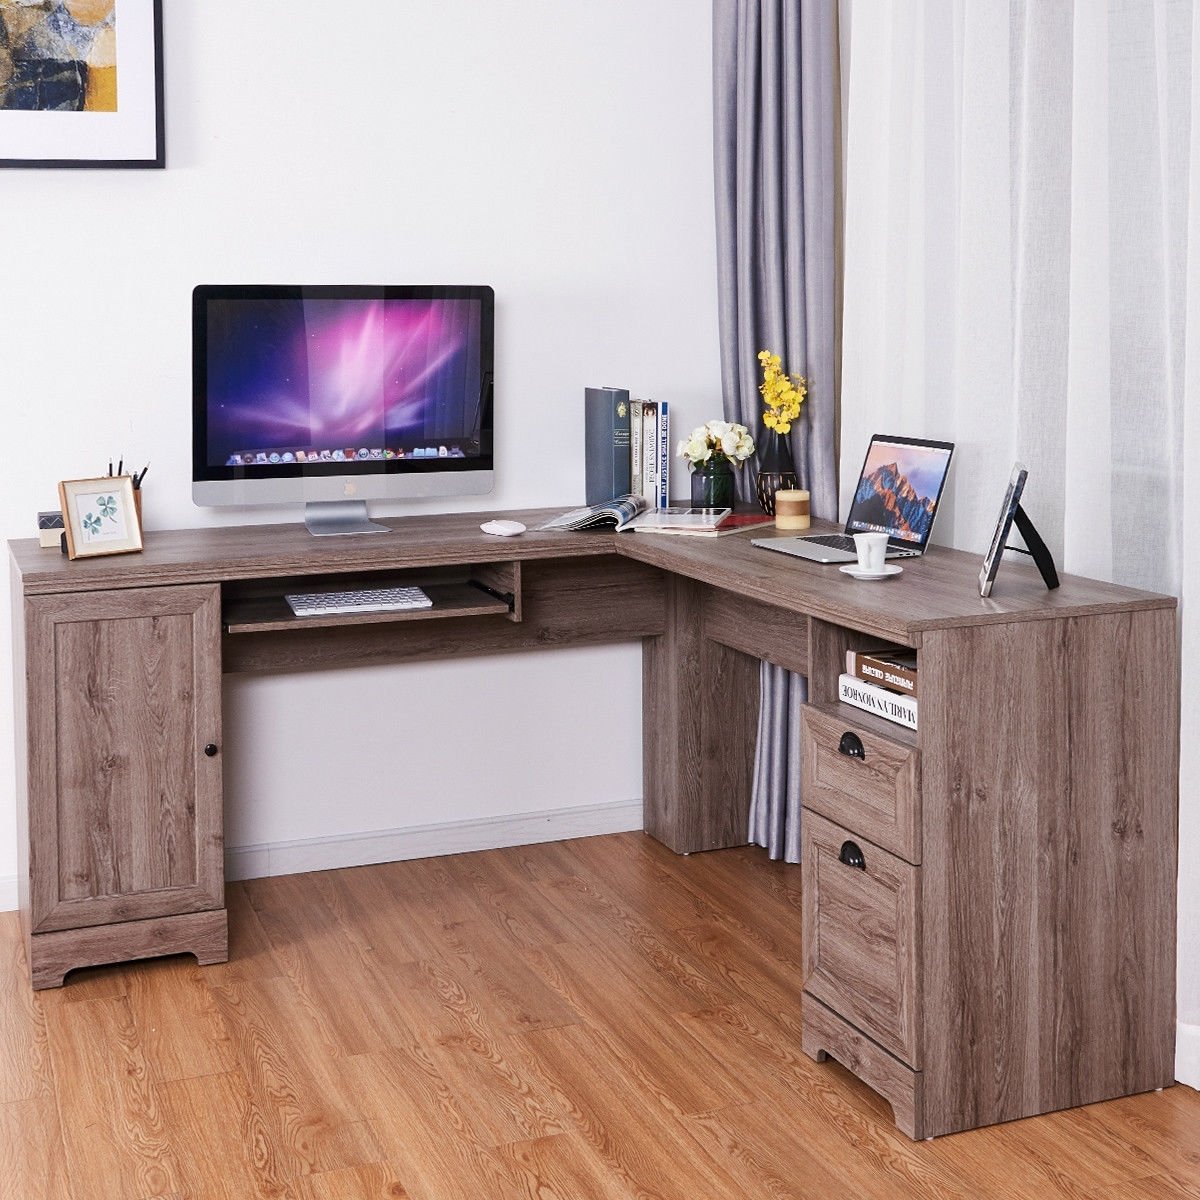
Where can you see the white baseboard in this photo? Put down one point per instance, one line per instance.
(1187, 1054)
(424, 841)
(419, 841)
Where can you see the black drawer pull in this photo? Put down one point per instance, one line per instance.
(852, 855)
(851, 745)
(211, 750)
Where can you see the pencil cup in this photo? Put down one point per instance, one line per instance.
(791, 509)
(137, 507)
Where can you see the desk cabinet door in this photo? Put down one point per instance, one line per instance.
(124, 778)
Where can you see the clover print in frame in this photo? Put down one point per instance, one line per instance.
(99, 516)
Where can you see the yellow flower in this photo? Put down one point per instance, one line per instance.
(783, 394)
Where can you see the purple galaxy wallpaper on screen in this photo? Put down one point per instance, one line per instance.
(316, 378)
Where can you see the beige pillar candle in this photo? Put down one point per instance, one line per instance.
(791, 509)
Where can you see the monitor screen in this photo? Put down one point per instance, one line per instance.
(328, 393)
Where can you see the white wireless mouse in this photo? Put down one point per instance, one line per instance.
(503, 528)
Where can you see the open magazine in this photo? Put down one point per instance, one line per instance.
(612, 514)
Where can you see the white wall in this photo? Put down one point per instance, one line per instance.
(561, 152)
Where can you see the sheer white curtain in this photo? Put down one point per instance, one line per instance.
(1022, 276)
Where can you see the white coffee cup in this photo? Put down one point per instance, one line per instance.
(871, 548)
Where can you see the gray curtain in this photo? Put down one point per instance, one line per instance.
(775, 126)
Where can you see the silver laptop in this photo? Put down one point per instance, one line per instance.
(898, 492)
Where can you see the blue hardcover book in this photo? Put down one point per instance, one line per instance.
(606, 444)
(664, 455)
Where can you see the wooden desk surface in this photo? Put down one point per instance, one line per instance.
(939, 590)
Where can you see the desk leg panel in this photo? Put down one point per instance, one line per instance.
(1048, 752)
(700, 706)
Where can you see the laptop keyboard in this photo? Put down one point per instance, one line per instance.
(835, 541)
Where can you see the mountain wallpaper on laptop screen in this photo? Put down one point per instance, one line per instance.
(887, 499)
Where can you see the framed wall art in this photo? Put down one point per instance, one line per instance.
(100, 516)
(81, 83)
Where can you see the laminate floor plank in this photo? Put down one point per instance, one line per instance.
(387, 917)
(304, 1093)
(1153, 1187)
(25, 1070)
(843, 1120)
(375, 1181)
(770, 918)
(514, 905)
(33, 1161)
(511, 995)
(1163, 1125)
(250, 953)
(424, 1130)
(752, 971)
(179, 1028)
(642, 881)
(644, 950)
(765, 1156)
(338, 980)
(112, 1123)
(222, 1140)
(659, 1056)
(584, 1020)
(563, 1167)
(645, 1148)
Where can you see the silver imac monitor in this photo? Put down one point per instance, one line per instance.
(330, 396)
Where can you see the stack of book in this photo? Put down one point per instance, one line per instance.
(882, 681)
(627, 447)
(697, 522)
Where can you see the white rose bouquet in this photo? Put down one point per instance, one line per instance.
(717, 440)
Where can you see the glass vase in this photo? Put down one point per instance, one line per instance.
(776, 471)
(712, 484)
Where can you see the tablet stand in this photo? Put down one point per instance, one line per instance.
(1037, 548)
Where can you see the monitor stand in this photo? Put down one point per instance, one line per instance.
(326, 517)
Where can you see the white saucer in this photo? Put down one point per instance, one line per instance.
(889, 569)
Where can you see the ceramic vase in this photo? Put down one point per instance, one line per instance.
(776, 470)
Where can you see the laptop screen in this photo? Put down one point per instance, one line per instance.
(899, 488)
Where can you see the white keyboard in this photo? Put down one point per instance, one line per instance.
(368, 600)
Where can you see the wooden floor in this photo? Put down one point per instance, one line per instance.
(580, 1020)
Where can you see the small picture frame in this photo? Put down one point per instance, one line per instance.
(100, 516)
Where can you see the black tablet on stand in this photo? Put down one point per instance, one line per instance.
(1012, 513)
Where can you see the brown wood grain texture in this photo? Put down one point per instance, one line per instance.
(939, 590)
(759, 630)
(1046, 788)
(125, 826)
(862, 951)
(700, 714)
(1048, 865)
(877, 795)
(180, 1082)
(53, 954)
(564, 603)
(451, 601)
(825, 1032)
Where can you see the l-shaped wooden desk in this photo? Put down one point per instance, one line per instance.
(1002, 944)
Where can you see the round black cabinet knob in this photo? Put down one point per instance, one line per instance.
(211, 749)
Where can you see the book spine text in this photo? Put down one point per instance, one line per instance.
(870, 698)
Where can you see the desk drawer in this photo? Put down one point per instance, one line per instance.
(861, 934)
(863, 780)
